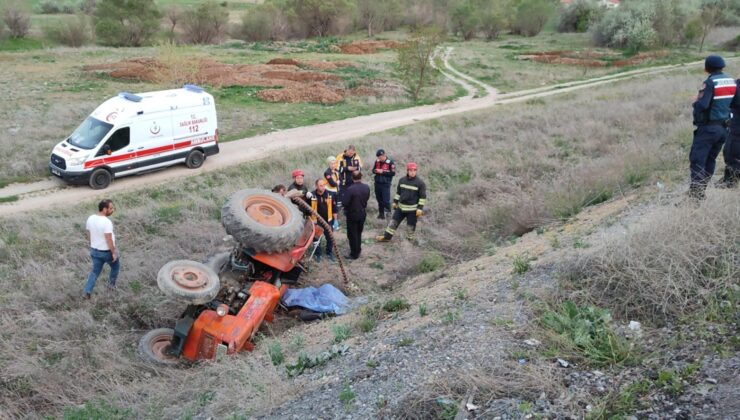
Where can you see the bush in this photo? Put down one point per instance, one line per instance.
(465, 19)
(70, 32)
(579, 16)
(495, 18)
(531, 16)
(16, 18)
(265, 22)
(205, 23)
(49, 7)
(126, 23)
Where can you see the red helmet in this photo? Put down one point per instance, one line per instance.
(297, 172)
(411, 166)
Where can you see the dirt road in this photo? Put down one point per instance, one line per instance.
(52, 192)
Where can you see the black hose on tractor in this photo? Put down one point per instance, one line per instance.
(327, 230)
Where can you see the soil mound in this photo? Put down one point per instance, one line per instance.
(293, 80)
(367, 47)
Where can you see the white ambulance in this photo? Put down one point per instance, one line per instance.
(134, 133)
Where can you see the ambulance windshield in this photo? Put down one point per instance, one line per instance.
(89, 133)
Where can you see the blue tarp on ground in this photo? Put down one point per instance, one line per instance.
(325, 299)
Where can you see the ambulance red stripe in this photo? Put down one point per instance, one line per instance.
(147, 152)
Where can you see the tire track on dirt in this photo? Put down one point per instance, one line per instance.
(52, 192)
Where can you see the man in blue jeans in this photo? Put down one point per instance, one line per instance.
(102, 246)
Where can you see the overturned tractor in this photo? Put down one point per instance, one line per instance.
(234, 291)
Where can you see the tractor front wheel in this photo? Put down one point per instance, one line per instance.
(187, 280)
(154, 345)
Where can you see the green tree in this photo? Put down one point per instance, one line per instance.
(318, 16)
(414, 59)
(496, 17)
(129, 23)
(205, 23)
(532, 15)
(466, 18)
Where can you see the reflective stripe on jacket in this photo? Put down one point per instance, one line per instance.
(411, 194)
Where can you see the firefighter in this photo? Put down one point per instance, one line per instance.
(408, 203)
(731, 151)
(299, 184)
(347, 163)
(331, 175)
(384, 170)
(323, 204)
(711, 118)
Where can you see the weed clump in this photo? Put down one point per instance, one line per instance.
(430, 262)
(396, 305)
(586, 332)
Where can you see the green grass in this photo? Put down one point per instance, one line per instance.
(431, 261)
(347, 396)
(521, 264)
(20, 44)
(423, 309)
(9, 199)
(396, 305)
(275, 350)
(283, 116)
(341, 332)
(99, 410)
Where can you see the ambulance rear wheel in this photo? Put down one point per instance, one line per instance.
(100, 179)
(195, 159)
(155, 344)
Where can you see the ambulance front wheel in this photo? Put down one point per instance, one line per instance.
(195, 159)
(100, 179)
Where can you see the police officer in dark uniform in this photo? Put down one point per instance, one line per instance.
(384, 170)
(731, 151)
(711, 118)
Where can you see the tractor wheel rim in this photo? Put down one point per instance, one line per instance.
(266, 211)
(159, 346)
(189, 278)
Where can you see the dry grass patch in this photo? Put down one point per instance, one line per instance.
(676, 262)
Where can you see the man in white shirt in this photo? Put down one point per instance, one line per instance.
(102, 246)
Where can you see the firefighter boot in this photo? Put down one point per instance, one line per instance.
(411, 236)
(381, 214)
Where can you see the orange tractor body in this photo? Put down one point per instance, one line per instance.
(272, 238)
(235, 331)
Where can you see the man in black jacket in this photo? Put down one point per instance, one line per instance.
(355, 204)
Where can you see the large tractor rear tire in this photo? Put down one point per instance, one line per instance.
(190, 281)
(262, 220)
(153, 347)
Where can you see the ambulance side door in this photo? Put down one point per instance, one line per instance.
(151, 140)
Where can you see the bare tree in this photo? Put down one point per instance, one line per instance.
(414, 59)
(374, 15)
(16, 18)
(710, 16)
(173, 13)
